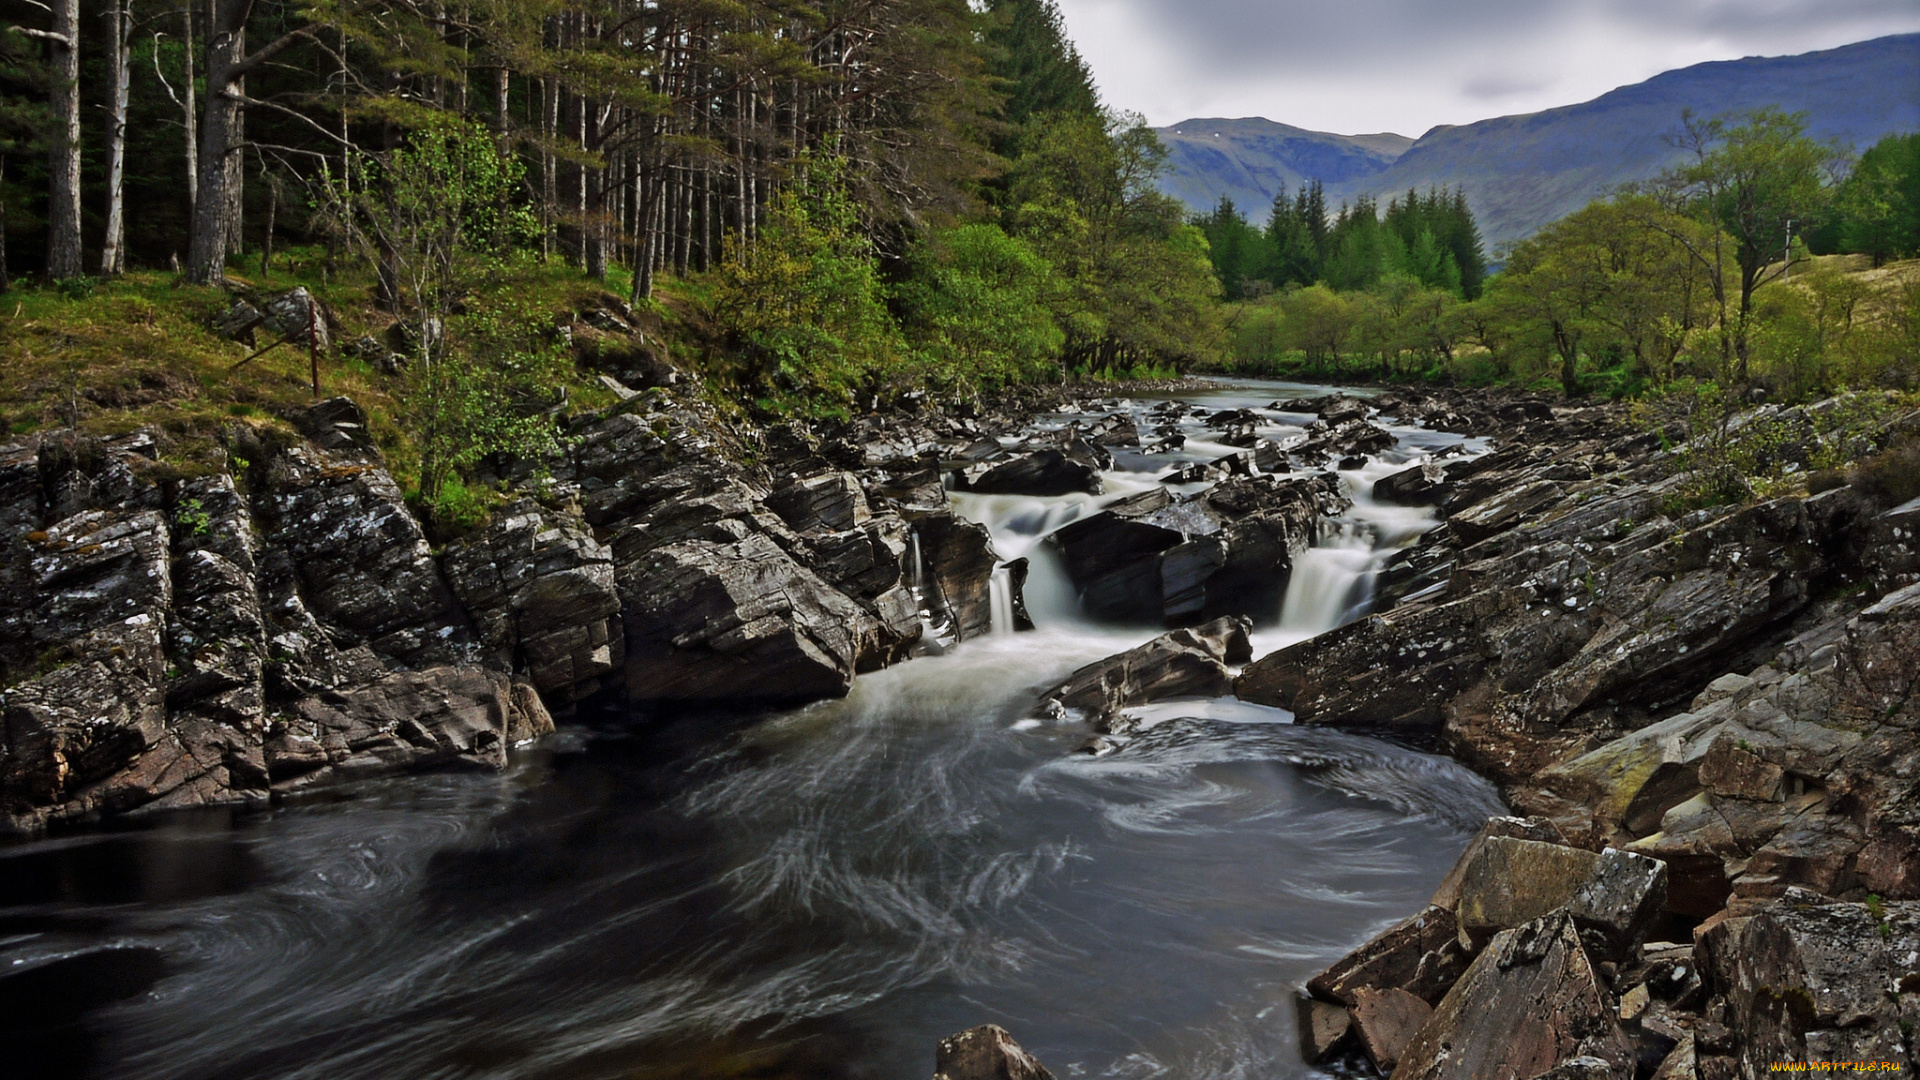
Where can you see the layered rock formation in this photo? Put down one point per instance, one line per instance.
(1711, 714)
(172, 641)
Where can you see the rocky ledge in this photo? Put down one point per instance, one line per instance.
(1712, 718)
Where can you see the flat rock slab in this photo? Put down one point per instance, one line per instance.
(1511, 881)
(1421, 955)
(1387, 1020)
(1530, 1003)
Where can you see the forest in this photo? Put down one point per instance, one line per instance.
(1761, 260)
(966, 211)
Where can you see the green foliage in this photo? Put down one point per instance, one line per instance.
(437, 219)
(76, 288)
(190, 514)
(488, 390)
(1877, 207)
(1136, 281)
(434, 215)
(805, 305)
(976, 309)
(456, 507)
(1732, 452)
(1751, 182)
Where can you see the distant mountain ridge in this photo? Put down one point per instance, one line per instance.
(1248, 160)
(1522, 172)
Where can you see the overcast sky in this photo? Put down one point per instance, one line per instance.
(1364, 66)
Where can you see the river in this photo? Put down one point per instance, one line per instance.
(820, 893)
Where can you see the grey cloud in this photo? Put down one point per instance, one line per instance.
(1405, 64)
(1487, 87)
(1327, 36)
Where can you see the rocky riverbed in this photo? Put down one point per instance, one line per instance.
(1706, 718)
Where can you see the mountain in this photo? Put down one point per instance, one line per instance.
(1248, 160)
(1521, 172)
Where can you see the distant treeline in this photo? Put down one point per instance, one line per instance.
(1700, 275)
(1430, 238)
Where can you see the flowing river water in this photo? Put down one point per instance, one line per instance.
(820, 893)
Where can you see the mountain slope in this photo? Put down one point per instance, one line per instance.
(1248, 160)
(1521, 172)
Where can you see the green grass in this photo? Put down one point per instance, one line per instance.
(139, 352)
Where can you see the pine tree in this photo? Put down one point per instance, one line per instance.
(1037, 67)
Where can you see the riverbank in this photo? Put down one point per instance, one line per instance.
(300, 634)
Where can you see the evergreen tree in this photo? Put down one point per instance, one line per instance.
(1291, 256)
(1037, 67)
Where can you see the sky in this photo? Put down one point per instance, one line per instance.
(1364, 66)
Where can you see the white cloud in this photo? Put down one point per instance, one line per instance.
(1407, 65)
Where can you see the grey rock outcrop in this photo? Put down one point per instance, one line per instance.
(986, 1052)
(540, 592)
(1184, 663)
(1160, 558)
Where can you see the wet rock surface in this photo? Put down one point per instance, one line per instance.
(1710, 714)
(1184, 663)
(986, 1052)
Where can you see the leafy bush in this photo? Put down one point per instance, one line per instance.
(1893, 475)
(804, 303)
(975, 309)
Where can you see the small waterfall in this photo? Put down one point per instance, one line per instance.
(1000, 586)
(1332, 581)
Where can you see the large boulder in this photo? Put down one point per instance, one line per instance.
(1047, 472)
(1531, 1002)
(1184, 663)
(1811, 980)
(986, 1052)
(735, 622)
(1513, 881)
(1161, 558)
(1422, 956)
(1423, 484)
(957, 563)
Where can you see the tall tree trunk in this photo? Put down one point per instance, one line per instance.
(237, 166)
(190, 112)
(113, 250)
(63, 160)
(213, 219)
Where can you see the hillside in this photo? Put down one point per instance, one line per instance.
(1521, 172)
(1248, 160)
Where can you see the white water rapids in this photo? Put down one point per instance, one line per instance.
(824, 892)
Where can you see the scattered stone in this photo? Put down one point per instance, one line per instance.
(986, 1052)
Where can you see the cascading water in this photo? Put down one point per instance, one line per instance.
(822, 892)
(1332, 581)
(1000, 588)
